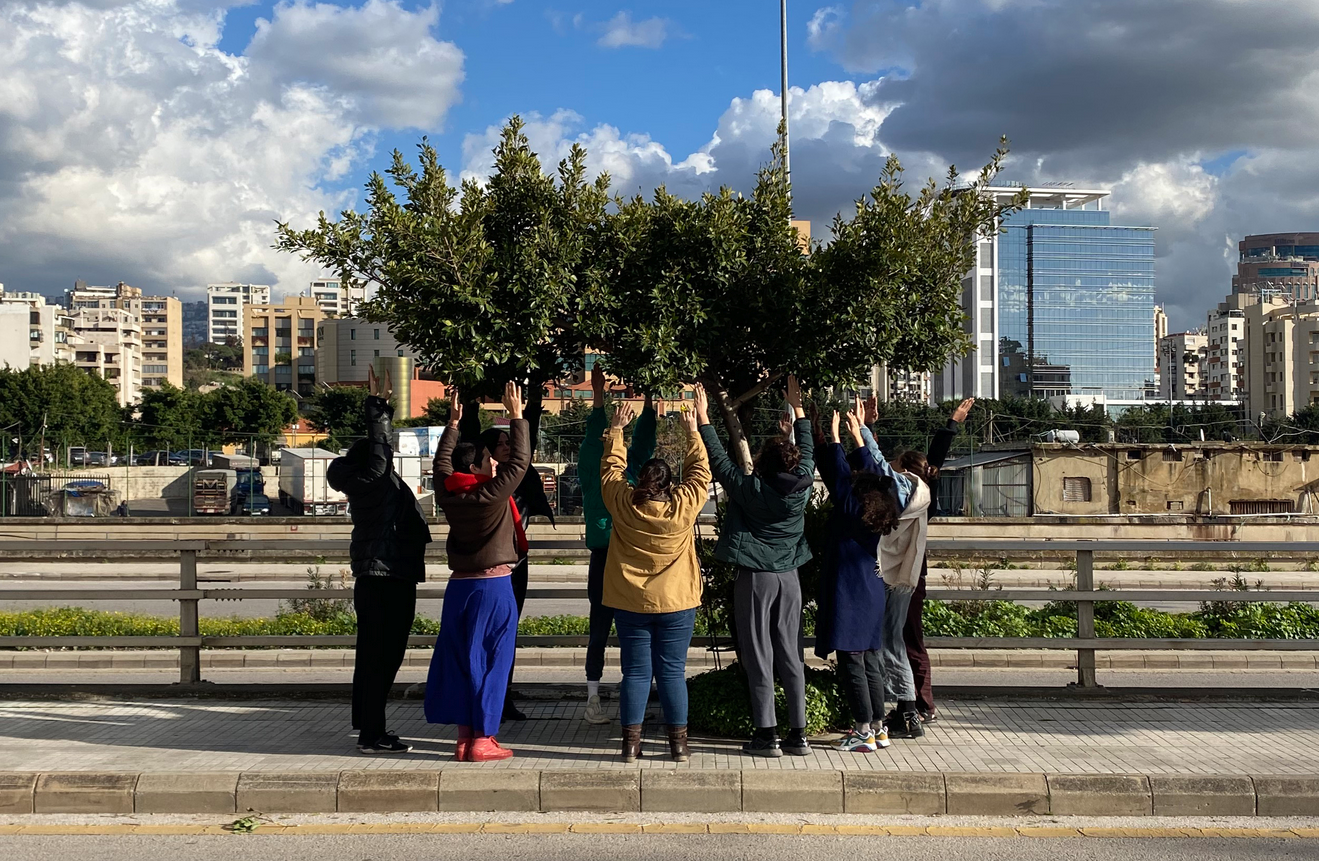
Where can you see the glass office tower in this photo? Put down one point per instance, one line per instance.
(1061, 304)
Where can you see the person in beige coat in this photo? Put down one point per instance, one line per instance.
(653, 578)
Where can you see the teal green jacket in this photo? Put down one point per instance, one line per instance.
(765, 521)
(598, 522)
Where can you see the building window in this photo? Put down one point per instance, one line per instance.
(352, 334)
(400, 353)
(1175, 505)
(377, 331)
(352, 357)
(1171, 455)
(377, 354)
(1134, 454)
(1076, 489)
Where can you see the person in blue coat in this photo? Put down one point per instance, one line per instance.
(851, 596)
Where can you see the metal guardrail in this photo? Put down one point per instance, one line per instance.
(190, 641)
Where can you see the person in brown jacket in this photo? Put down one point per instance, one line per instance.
(474, 653)
(653, 578)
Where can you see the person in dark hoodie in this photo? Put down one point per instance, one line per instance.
(469, 671)
(763, 534)
(388, 553)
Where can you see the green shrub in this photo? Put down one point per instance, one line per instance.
(719, 703)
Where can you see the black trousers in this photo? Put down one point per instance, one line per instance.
(385, 609)
(861, 675)
(521, 575)
(602, 617)
(914, 635)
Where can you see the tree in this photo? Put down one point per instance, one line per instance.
(247, 411)
(484, 285)
(61, 403)
(561, 435)
(340, 412)
(168, 417)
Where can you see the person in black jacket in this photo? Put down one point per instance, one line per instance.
(388, 553)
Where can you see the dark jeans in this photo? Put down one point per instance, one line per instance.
(914, 635)
(602, 617)
(519, 578)
(385, 608)
(862, 676)
(654, 645)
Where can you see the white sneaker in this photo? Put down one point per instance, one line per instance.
(855, 742)
(595, 713)
(881, 738)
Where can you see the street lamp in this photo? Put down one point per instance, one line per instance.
(783, 85)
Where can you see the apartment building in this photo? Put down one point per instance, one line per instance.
(1224, 373)
(1182, 359)
(109, 344)
(14, 353)
(224, 308)
(1281, 349)
(50, 328)
(160, 325)
(279, 343)
(336, 298)
(1284, 263)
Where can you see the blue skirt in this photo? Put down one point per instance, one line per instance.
(473, 655)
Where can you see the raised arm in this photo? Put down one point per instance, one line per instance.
(510, 473)
(642, 447)
(443, 463)
(725, 472)
(613, 466)
(348, 477)
(692, 494)
(943, 438)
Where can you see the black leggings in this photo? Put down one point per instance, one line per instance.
(385, 608)
(861, 675)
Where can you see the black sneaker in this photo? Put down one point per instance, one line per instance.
(796, 744)
(385, 744)
(930, 716)
(762, 745)
(907, 725)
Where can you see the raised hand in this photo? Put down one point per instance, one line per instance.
(622, 415)
(702, 403)
(513, 399)
(455, 407)
(598, 385)
(833, 427)
(794, 397)
(857, 414)
(854, 426)
(872, 410)
(785, 426)
(963, 410)
(690, 420)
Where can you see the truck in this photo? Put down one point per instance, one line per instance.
(303, 488)
(249, 484)
(414, 454)
(210, 490)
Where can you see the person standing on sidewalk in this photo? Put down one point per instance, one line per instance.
(388, 553)
(469, 670)
(850, 617)
(599, 525)
(763, 534)
(653, 578)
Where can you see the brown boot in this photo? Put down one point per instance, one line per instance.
(678, 744)
(631, 742)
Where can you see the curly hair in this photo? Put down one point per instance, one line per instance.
(879, 503)
(777, 455)
(654, 480)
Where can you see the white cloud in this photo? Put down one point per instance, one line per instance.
(622, 32)
(133, 148)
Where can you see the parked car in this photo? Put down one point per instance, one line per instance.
(197, 457)
(570, 490)
(160, 458)
(251, 505)
(100, 458)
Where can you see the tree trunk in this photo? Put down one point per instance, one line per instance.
(469, 427)
(739, 449)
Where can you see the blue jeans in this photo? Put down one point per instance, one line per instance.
(899, 683)
(654, 645)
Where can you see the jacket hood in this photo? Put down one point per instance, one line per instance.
(788, 483)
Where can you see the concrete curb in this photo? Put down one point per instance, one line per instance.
(660, 790)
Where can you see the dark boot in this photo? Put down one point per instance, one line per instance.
(795, 744)
(631, 742)
(764, 742)
(678, 744)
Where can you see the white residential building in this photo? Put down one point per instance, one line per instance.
(224, 308)
(14, 349)
(335, 298)
(50, 328)
(1182, 359)
(110, 346)
(1224, 374)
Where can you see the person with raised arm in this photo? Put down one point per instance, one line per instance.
(469, 671)
(388, 553)
(599, 525)
(849, 621)
(763, 534)
(653, 578)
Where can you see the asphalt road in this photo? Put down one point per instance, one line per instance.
(592, 847)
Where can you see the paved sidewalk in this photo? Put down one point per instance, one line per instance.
(212, 735)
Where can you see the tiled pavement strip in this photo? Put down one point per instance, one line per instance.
(205, 735)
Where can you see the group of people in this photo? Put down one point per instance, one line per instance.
(644, 576)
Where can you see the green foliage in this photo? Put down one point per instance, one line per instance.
(248, 410)
(170, 418)
(719, 703)
(561, 435)
(76, 408)
(340, 412)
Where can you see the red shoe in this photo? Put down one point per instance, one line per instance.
(462, 749)
(486, 749)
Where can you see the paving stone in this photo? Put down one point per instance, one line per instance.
(1287, 795)
(480, 790)
(672, 790)
(186, 792)
(288, 792)
(890, 792)
(590, 789)
(388, 791)
(16, 791)
(791, 791)
(1201, 795)
(1099, 795)
(84, 792)
(992, 794)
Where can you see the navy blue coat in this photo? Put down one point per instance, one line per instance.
(851, 596)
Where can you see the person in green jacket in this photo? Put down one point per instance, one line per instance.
(763, 535)
(599, 525)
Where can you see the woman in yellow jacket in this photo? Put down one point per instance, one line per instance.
(653, 578)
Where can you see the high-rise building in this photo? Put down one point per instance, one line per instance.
(347, 347)
(1279, 263)
(1224, 374)
(1282, 356)
(110, 346)
(50, 335)
(337, 298)
(1058, 305)
(279, 343)
(889, 384)
(224, 308)
(159, 323)
(1182, 358)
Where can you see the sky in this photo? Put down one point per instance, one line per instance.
(157, 141)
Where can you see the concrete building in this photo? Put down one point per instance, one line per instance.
(1224, 377)
(890, 384)
(335, 298)
(1284, 263)
(347, 347)
(1182, 358)
(1160, 332)
(1281, 356)
(224, 308)
(109, 344)
(160, 324)
(14, 327)
(50, 328)
(279, 343)
(1058, 305)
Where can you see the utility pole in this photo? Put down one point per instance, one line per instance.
(783, 34)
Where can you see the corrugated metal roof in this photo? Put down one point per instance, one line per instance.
(980, 458)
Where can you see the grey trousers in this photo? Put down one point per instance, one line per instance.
(767, 611)
(899, 683)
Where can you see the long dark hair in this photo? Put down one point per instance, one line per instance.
(490, 438)
(653, 482)
(879, 503)
(777, 455)
(914, 462)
